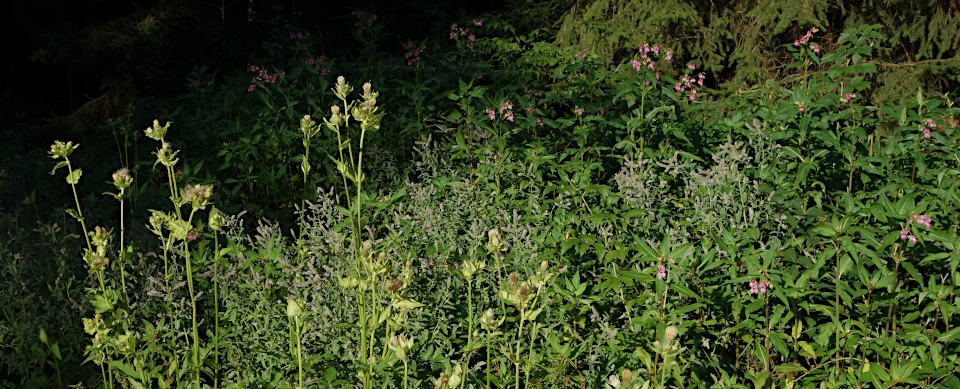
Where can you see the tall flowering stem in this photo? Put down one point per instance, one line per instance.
(367, 266)
(122, 181)
(63, 150)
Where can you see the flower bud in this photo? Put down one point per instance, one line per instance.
(216, 219)
(295, 308)
(43, 336)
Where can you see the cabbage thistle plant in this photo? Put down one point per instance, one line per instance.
(371, 277)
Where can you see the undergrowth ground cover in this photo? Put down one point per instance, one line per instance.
(494, 210)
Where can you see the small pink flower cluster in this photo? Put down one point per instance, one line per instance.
(650, 61)
(456, 32)
(687, 83)
(363, 20)
(922, 219)
(192, 235)
(262, 75)
(800, 106)
(581, 55)
(316, 64)
(806, 37)
(928, 125)
(847, 97)
(906, 235)
(506, 111)
(579, 111)
(413, 54)
(760, 287)
(662, 270)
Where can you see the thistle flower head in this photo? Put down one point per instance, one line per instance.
(166, 156)
(401, 345)
(62, 149)
(670, 333)
(395, 285)
(488, 321)
(100, 237)
(341, 89)
(122, 179)
(97, 262)
(157, 132)
(308, 127)
(471, 267)
(197, 195)
(494, 243)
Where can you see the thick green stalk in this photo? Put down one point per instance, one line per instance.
(303, 201)
(193, 306)
(469, 327)
(103, 374)
(166, 271)
(488, 360)
(299, 353)
(123, 282)
(216, 311)
(836, 305)
(516, 361)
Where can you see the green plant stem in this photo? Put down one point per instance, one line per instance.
(488, 359)
(172, 182)
(516, 363)
(303, 201)
(216, 311)
(836, 306)
(120, 257)
(466, 356)
(103, 374)
(103, 287)
(76, 201)
(166, 271)
(363, 332)
(299, 353)
(193, 306)
(405, 373)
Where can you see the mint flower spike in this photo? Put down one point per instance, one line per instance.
(157, 132)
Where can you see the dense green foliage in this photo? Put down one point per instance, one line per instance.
(495, 209)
